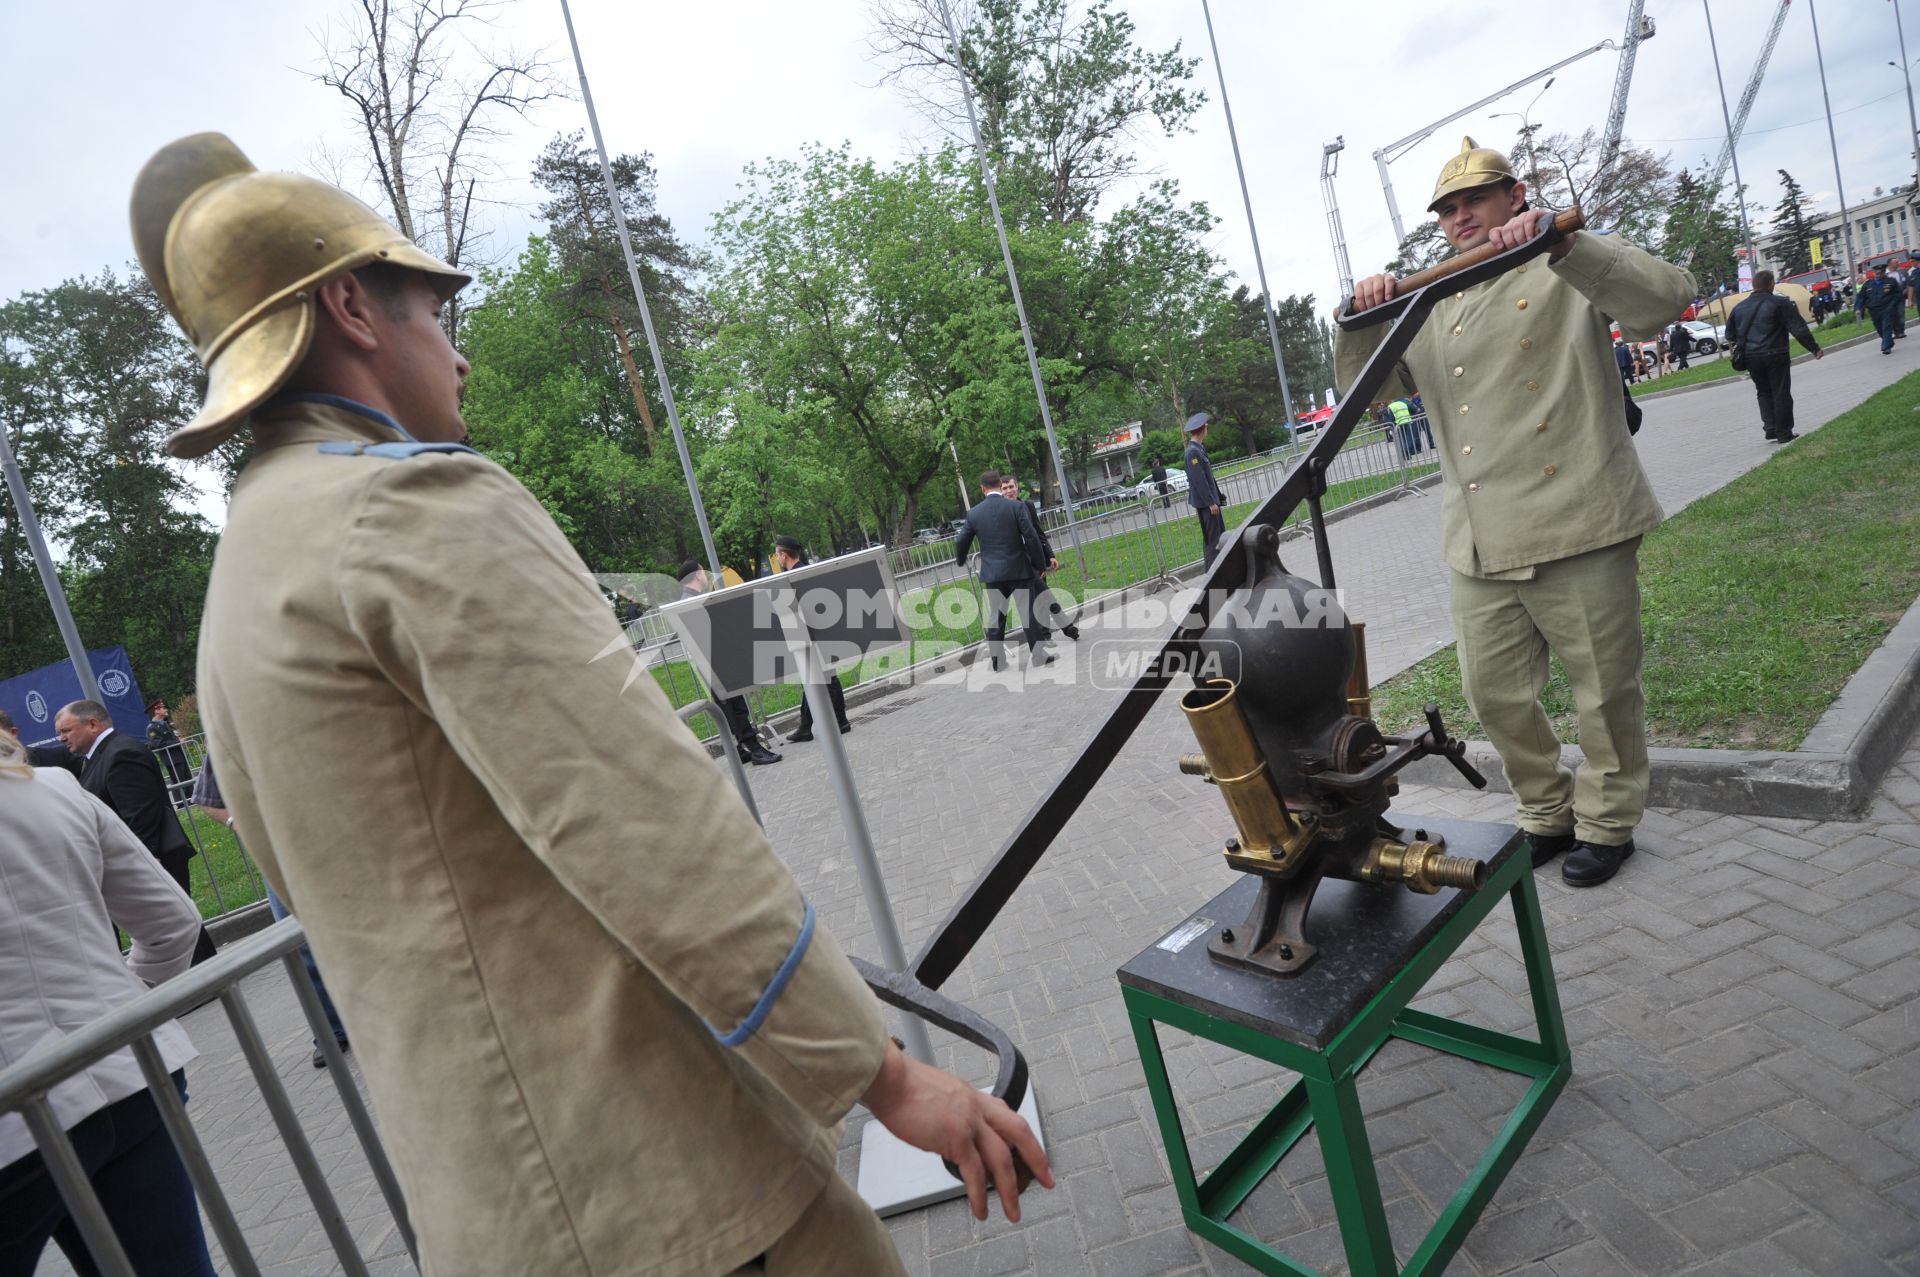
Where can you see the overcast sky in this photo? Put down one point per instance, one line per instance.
(90, 90)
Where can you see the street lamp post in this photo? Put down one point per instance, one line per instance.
(1526, 130)
(1906, 70)
(1840, 188)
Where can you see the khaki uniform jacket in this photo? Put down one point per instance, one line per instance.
(1519, 380)
(600, 1028)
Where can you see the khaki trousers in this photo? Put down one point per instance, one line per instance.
(1586, 610)
(837, 1236)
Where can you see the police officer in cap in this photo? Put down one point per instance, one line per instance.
(604, 1029)
(1544, 501)
(1203, 494)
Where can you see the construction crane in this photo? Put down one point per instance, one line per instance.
(1737, 123)
(1394, 150)
(1329, 167)
(1747, 96)
(1639, 27)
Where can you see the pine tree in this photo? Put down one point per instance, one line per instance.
(1794, 227)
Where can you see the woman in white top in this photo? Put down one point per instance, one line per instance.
(70, 870)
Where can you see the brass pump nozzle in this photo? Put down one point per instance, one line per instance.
(1231, 759)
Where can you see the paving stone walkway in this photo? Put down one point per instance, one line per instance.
(1743, 1000)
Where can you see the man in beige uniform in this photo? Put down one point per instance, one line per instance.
(601, 1025)
(1544, 501)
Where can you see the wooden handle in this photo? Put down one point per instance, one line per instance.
(1565, 223)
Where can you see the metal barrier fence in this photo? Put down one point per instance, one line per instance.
(25, 1086)
(1122, 545)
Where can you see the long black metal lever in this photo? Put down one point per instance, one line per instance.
(970, 917)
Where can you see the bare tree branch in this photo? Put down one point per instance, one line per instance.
(430, 100)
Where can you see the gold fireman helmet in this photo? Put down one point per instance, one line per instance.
(1476, 165)
(236, 255)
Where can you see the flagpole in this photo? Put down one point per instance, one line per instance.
(646, 312)
(49, 577)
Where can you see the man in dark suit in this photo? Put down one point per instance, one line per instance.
(789, 554)
(41, 755)
(1012, 557)
(1203, 494)
(121, 772)
(1045, 605)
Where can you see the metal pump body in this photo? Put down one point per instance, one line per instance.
(1281, 720)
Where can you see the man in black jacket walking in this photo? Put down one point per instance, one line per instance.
(1760, 327)
(1012, 557)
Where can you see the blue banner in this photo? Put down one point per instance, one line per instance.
(33, 699)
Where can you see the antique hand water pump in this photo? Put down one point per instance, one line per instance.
(1284, 733)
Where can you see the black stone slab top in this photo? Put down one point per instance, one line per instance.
(1366, 934)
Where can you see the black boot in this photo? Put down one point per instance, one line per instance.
(1590, 863)
(1544, 847)
(757, 754)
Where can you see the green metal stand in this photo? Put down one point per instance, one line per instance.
(1325, 1096)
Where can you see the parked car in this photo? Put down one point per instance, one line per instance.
(1176, 482)
(1109, 494)
(1706, 337)
(927, 536)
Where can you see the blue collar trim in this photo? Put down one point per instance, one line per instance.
(349, 405)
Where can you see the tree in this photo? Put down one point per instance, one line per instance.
(1793, 243)
(1424, 246)
(1630, 197)
(864, 306)
(94, 376)
(429, 105)
(1703, 232)
(1060, 90)
(547, 399)
(586, 247)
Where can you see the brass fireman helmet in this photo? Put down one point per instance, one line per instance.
(236, 255)
(1476, 165)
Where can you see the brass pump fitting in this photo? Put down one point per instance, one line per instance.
(1422, 866)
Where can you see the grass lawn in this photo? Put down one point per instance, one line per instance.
(1113, 562)
(1720, 369)
(238, 881)
(1760, 600)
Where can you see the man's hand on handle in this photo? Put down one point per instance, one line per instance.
(1523, 228)
(1370, 292)
(933, 1110)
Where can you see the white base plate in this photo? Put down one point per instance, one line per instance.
(896, 1177)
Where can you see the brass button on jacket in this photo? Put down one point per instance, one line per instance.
(1551, 471)
(1533, 385)
(1463, 409)
(1521, 304)
(1540, 429)
(1458, 371)
(1466, 450)
(1526, 343)
(1456, 330)
(1473, 487)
